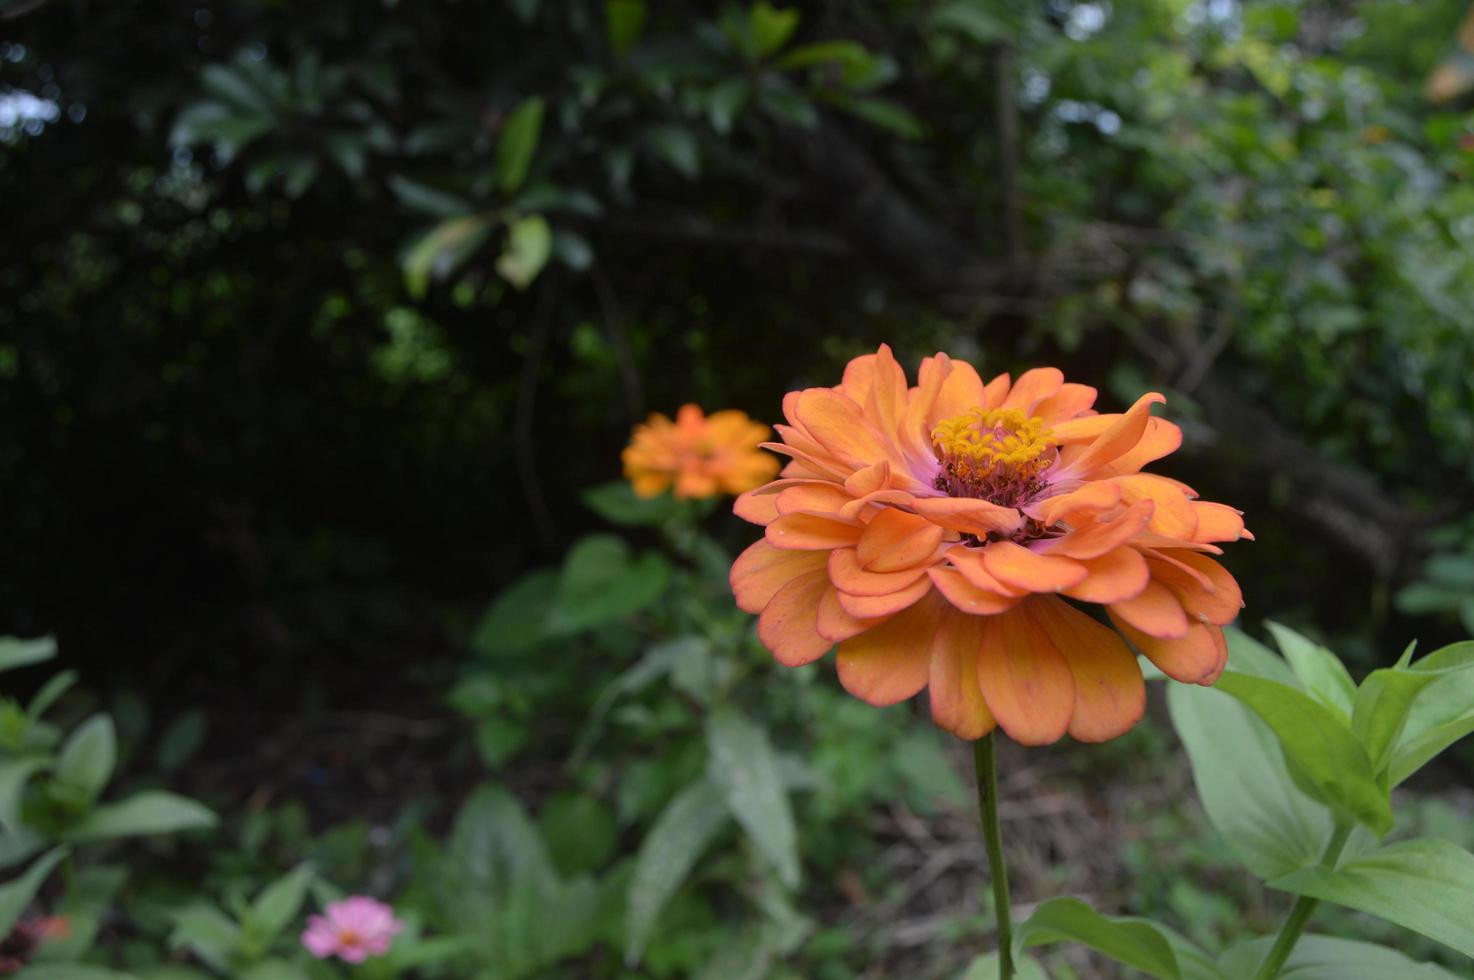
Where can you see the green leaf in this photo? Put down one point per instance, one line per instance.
(1425, 885)
(429, 200)
(1132, 941)
(17, 894)
(75, 971)
(235, 89)
(1442, 713)
(85, 762)
(972, 20)
(182, 739)
(846, 53)
(771, 26)
(1320, 671)
(624, 22)
(677, 147)
(1328, 958)
(682, 832)
(617, 503)
(15, 652)
(441, 250)
(143, 814)
(1270, 824)
(529, 243)
(277, 905)
(1381, 711)
(1319, 743)
(580, 832)
(517, 618)
(14, 775)
(741, 764)
(49, 693)
(1248, 656)
(273, 969)
(887, 115)
(207, 932)
(600, 582)
(518, 143)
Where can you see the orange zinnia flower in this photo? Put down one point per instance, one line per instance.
(932, 531)
(702, 456)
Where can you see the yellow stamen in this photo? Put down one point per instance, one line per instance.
(993, 438)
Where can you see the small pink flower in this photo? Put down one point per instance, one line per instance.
(353, 930)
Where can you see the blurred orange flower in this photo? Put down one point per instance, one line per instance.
(934, 532)
(702, 456)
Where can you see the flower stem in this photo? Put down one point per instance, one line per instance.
(1300, 912)
(986, 766)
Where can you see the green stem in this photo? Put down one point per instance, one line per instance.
(987, 773)
(1300, 913)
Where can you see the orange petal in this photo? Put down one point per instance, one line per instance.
(1110, 694)
(1065, 404)
(890, 663)
(1173, 515)
(1032, 387)
(822, 498)
(873, 606)
(1112, 577)
(886, 401)
(962, 391)
(1119, 439)
(995, 391)
(788, 625)
(756, 507)
(1021, 568)
(1218, 522)
(811, 532)
(895, 540)
(870, 479)
(968, 597)
(848, 575)
(839, 425)
(836, 625)
(1161, 438)
(970, 562)
(1205, 588)
(957, 703)
(1093, 497)
(1026, 683)
(1095, 538)
(855, 509)
(969, 516)
(761, 570)
(1154, 611)
(1196, 658)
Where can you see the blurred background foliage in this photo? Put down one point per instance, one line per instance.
(317, 321)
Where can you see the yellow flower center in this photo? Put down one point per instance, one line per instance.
(995, 454)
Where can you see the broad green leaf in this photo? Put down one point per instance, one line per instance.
(601, 582)
(985, 967)
(277, 905)
(441, 250)
(273, 969)
(1381, 710)
(580, 832)
(624, 22)
(517, 617)
(972, 20)
(49, 693)
(1320, 744)
(85, 762)
(1455, 656)
(887, 115)
(682, 832)
(1425, 885)
(207, 932)
(1320, 671)
(529, 244)
(1441, 714)
(617, 503)
(771, 26)
(676, 146)
(1194, 961)
(518, 143)
(142, 814)
(14, 775)
(232, 87)
(1328, 958)
(823, 53)
(429, 200)
(16, 894)
(15, 652)
(77, 971)
(1248, 656)
(1270, 824)
(741, 764)
(1132, 941)
(656, 663)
